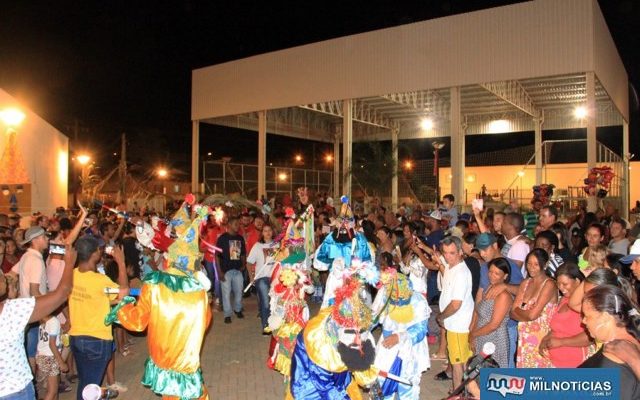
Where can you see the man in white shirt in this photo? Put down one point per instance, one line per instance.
(456, 306)
(516, 248)
(32, 280)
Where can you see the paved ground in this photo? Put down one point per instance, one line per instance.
(233, 364)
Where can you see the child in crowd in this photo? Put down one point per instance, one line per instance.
(49, 355)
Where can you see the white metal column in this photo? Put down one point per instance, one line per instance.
(626, 184)
(262, 154)
(538, 149)
(336, 167)
(457, 147)
(195, 156)
(347, 141)
(591, 121)
(394, 179)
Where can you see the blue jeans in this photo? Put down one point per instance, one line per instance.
(31, 339)
(512, 330)
(262, 286)
(28, 393)
(232, 282)
(92, 356)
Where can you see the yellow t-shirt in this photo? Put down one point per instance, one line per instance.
(89, 304)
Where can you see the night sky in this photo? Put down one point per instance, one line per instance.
(122, 66)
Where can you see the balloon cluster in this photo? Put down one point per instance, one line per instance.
(543, 193)
(599, 181)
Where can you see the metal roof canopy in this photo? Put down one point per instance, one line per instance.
(513, 65)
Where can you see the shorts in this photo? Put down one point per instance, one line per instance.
(458, 347)
(47, 365)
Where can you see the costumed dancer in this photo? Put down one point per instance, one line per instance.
(402, 348)
(173, 307)
(334, 354)
(290, 281)
(338, 251)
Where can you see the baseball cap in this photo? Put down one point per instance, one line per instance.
(485, 240)
(634, 252)
(436, 214)
(32, 233)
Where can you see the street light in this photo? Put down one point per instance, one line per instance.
(83, 159)
(437, 146)
(12, 117)
(282, 176)
(162, 173)
(408, 165)
(328, 158)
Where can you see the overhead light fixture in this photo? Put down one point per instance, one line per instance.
(520, 174)
(282, 176)
(5, 190)
(19, 189)
(426, 124)
(499, 126)
(580, 112)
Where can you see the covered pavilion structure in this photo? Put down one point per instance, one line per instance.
(543, 64)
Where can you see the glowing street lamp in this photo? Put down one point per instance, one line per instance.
(162, 173)
(83, 159)
(408, 165)
(328, 158)
(298, 158)
(282, 177)
(12, 117)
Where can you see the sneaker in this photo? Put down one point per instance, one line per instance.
(117, 386)
(239, 314)
(266, 331)
(227, 320)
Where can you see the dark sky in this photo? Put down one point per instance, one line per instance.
(119, 66)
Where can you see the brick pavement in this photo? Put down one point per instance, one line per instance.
(233, 364)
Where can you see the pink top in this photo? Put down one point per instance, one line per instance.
(566, 324)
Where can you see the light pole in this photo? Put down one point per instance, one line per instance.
(437, 146)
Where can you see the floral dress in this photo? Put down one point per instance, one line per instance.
(531, 333)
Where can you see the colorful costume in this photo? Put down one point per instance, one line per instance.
(174, 308)
(402, 312)
(290, 281)
(344, 253)
(334, 353)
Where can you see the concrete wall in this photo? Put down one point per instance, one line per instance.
(501, 177)
(45, 152)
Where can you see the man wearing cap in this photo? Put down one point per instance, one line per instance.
(487, 245)
(32, 280)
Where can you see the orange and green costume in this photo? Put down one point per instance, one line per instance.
(174, 308)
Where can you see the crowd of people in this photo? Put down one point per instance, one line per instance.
(546, 292)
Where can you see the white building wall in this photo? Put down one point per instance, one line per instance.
(45, 151)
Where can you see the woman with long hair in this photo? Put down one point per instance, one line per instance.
(594, 235)
(260, 263)
(532, 306)
(567, 343)
(610, 316)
